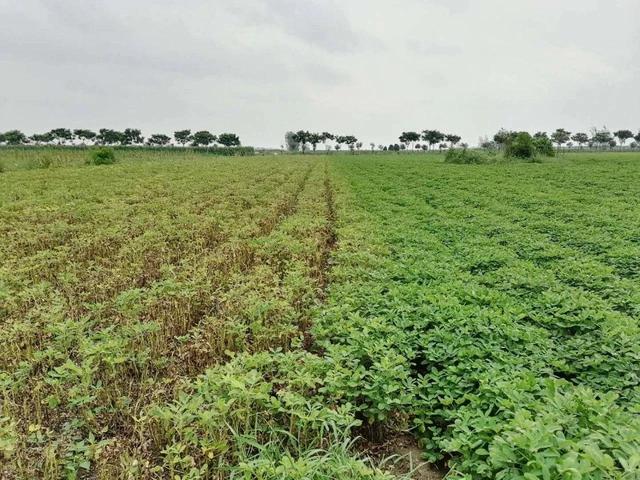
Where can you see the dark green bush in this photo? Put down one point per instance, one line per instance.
(102, 156)
(520, 146)
(464, 156)
(543, 146)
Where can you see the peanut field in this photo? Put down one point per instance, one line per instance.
(183, 316)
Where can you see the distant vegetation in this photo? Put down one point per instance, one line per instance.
(513, 144)
(128, 137)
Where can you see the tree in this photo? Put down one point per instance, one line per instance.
(349, 140)
(107, 136)
(580, 138)
(560, 137)
(409, 138)
(324, 137)
(203, 138)
(61, 135)
(432, 137)
(623, 136)
(542, 144)
(453, 139)
(302, 137)
(14, 137)
(372, 145)
(601, 138)
(85, 135)
(521, 146)
(182, 136)
(40, 138)
(159, 139)
(503, 137)
(291, 142)
(359, 145)
(132, 136)
(637, 137)
(229, 139)
(314, 140)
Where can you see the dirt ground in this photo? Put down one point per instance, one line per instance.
(401, 455)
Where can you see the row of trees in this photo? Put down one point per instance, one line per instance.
(303, 139)
(130, 136)
(409, 140)
(598, 138)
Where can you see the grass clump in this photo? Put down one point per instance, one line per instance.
(102, 156)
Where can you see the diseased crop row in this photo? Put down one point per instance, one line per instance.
(117, 287)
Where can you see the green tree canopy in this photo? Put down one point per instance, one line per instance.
(14, 137)
(560, 137)
(159, 139)
(203, 138)
(132, 136)
(182, 136)
(229, 140)
(623, 135)
(84, 134)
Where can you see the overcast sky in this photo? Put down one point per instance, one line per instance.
(371, 68)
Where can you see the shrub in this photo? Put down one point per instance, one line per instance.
(102, 156)
(543, 146)
(465, 156)
(520, 146)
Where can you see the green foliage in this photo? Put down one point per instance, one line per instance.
(580, 138)
(433, 137)
(132, 136)
(229, 140)
(85, 135)
(107, 136)
(102, 156)
(623, 135)
(252, 404)
(520, 146)
(465, 156)
(13, 137)
(543, 146)
(484, 323)
(577, 434)
(159, 139)
(560, 137)
(203, 138)
(182, 136)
